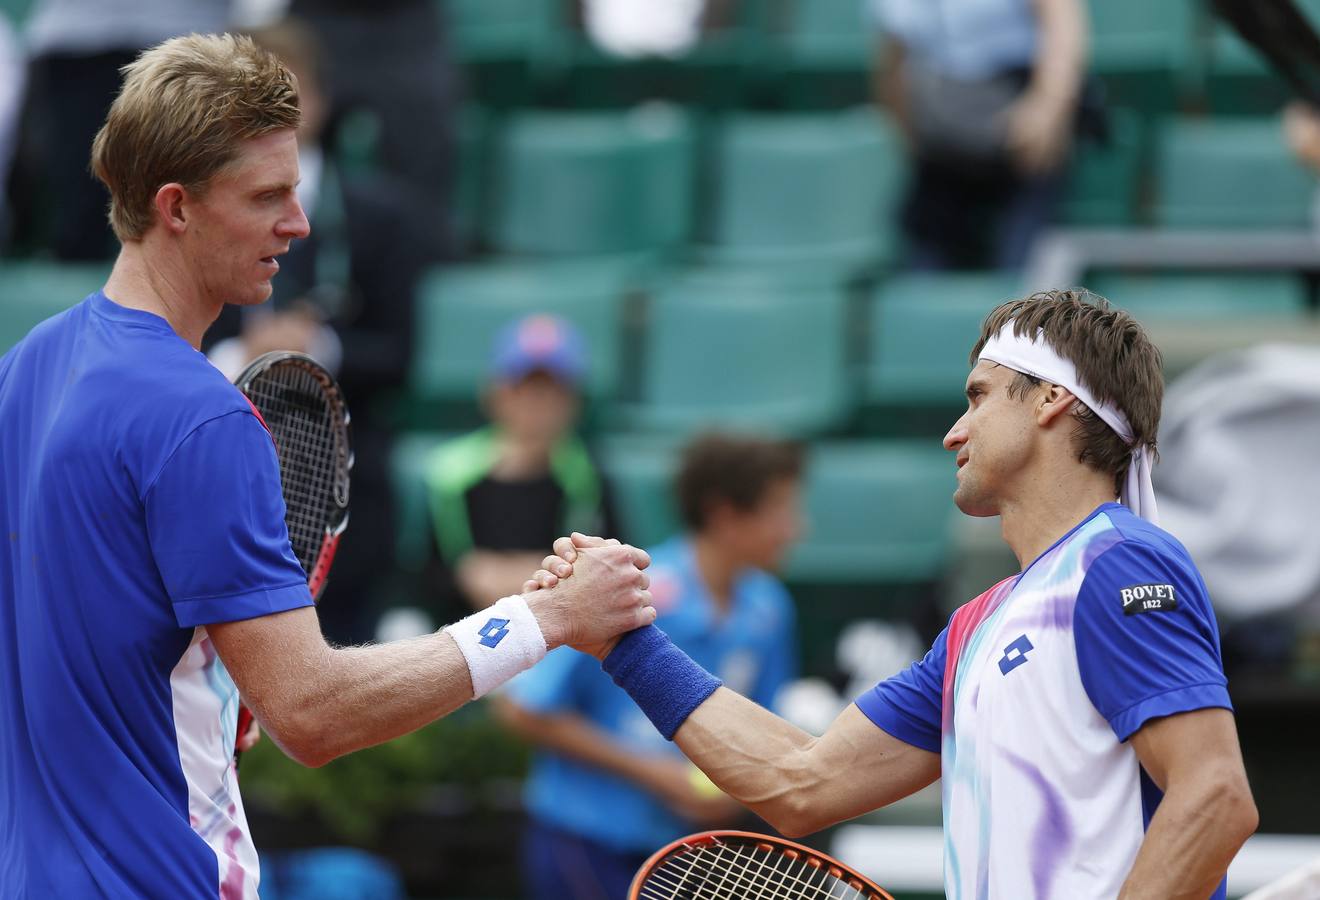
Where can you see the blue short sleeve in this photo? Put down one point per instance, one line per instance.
(910, 705)
(215, 521)
(552, 685)
(1147, 642)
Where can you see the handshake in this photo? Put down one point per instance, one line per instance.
(589, 592)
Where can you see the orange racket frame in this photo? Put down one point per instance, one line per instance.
(816, 874)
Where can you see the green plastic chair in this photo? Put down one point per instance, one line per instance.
(805, 187)
(16, 11)
(922, 329)
(1205, 297)
(408, 464)
(1143, 51)
(1230, 173)
(583, 183)
(825, 51)
(877, 511)
(641, 471)
(461, 310)
(1104, 182)
(768, 359)
(31, 292)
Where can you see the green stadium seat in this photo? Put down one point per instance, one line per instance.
(503, 44)
(461, 309)
(826, 51)
(1230, 173)
(31, 291)
(805, 187)
(473, 141)
(1104, 183)
(922, 329)
(408, 464)
(583, 183)
(877, 512)
(735, 355)
(1143, 50)
(1206, 297)
(1237, 77)
(641, 471)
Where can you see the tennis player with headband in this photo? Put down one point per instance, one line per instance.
(1077, 711)
(147, 559)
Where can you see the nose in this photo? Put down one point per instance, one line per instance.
(294, 224)
(957, 435)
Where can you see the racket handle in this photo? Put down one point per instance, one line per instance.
(244, 723)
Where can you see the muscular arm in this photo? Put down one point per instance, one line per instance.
(796, 782)
(1207, 811)
(574, 736)
(319, 702)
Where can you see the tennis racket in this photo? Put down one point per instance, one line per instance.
(723, 865)
(303, 409)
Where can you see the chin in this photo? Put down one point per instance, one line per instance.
(971, 505)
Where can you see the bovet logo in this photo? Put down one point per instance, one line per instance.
(1140, 598)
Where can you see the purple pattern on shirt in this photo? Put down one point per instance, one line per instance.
(1053, 833)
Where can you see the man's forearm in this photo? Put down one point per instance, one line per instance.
(1192, 838)
(355, 697)
(573, 736)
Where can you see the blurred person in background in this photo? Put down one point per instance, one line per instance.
(12, 83)
(345, 296)
(605, 789)
(392, 60)
(987, 93)
(77, 48)
(499, 495)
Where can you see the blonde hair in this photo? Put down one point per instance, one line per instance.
(185, 108)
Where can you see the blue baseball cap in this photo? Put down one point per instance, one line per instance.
(539, 343)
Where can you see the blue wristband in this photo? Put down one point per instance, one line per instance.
(662, 680)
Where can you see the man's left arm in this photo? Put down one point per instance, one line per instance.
(1207, 811)
(1148, 655)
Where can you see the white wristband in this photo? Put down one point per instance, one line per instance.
(499, 642)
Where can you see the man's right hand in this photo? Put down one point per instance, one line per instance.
(606, 596)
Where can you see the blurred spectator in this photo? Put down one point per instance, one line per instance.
(77, 49)
(345, 296)
(1301, 129)
(987, 93)
(391, 59)
(12, 81)
(605, 789)
(500, 496)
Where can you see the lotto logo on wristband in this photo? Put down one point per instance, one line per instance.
(493, 632)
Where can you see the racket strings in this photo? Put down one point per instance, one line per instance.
(296, 409)
(703, 873)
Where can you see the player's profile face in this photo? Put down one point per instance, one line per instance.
(245, 219)
(991, 440)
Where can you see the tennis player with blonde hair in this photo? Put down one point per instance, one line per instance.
(1077, 711)
(146, 557)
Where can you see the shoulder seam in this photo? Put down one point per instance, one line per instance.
(183, 440)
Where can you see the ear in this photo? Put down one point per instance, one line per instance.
(1055, 402)
(170, 202)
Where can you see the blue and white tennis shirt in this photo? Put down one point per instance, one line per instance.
(1030, 695)
(139, 502)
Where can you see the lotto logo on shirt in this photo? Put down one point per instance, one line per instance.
(1140, 598)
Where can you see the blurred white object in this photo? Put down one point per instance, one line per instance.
(810, 704)
(644, 27)
(403, 623)
(258, 13)
(870, 651)
(1238, 483)
(1303, 884)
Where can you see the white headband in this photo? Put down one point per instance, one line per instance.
(1038, 359)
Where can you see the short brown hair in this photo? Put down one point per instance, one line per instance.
(1115, 360)
(733, 469)
(185, 107)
